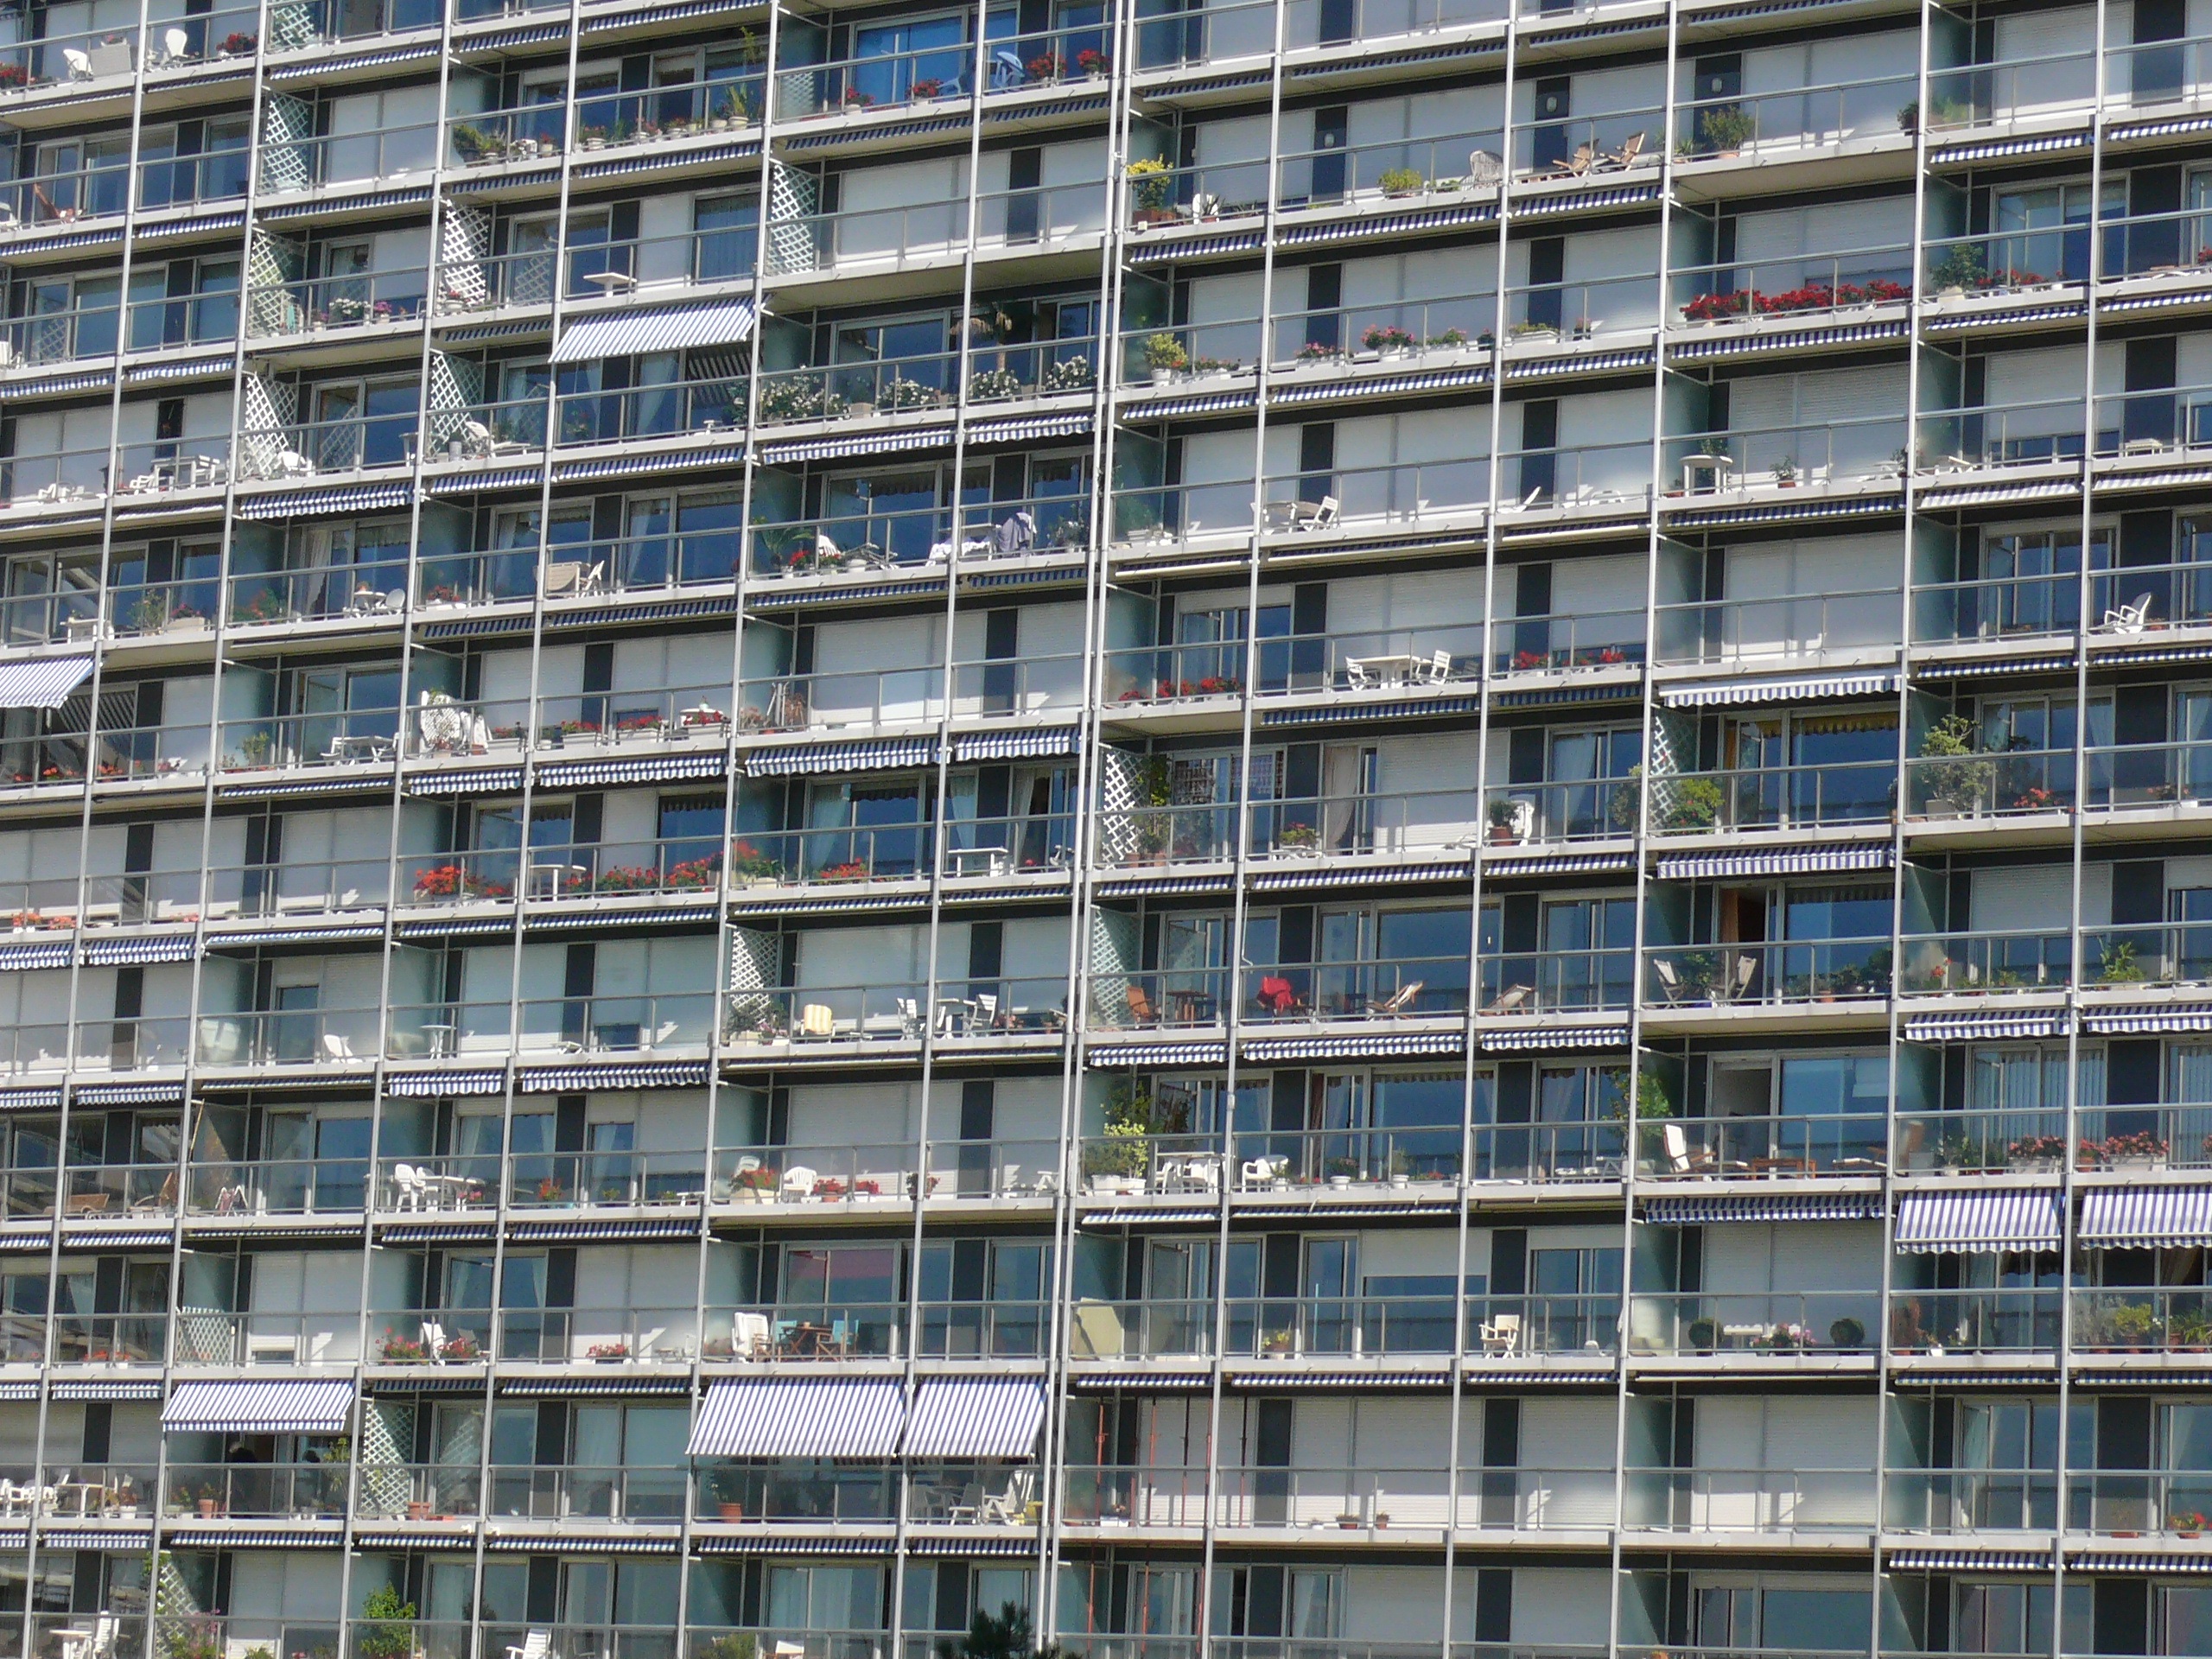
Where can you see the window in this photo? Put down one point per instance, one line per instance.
(897, 61)
(1597, 760)
(823, 1597)
(2045, 230)
(1588, 947)
(875, 828)
(723, 231)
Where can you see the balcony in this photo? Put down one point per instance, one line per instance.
(1764, 1326)
(1392, 661)
(278, 1186)
(1795, 971)
(1710, 1500)
(1247, 28)
(2030, 91)
(566, 1335)
(1781, 1145)
(636, 717)
(1505, 1328)
(587, 1493)
(1965, 1503)
(972, 848)
(214, 1337)
(1848, 625)
(417, 1492)
(1340, 176)
(1561, 152)
(933, 233)
(1808, 288)
(891, 699)
(1298, 505)
(2020, 959)
(1835, 456)
(1733, 798)
(571, 1026)
(1942, 1323)
(2048, 433)
(66, 477)
(1769, 126)
(259, 1492)
(856, 538)
(853, 1176)
(1359, 1500)
(814, 1331)
(1562, 980)
(1542, 644)
(290, 165)
(2142, 1321)
(147, 1191)
(1304, 1161)
(332, 304)
(317, 593)
(1017, 372)
(930, 75)
(85, 59)
(463, 285)
(834, 1019)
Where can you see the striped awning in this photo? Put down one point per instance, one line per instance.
(297, 934)
(2018, 1219)
(357, 60)
(1366, 1046)
(579, 774)
(1987, 665)
(1736, 692)
(133, 953)
(1147, 252)
(1030, 430)
(2195, 1562)
(128, 1094)
(200, 365)
(2147, 1217)
(864, 443)
(502, 478)
(976, 1417)
(2123, 1022)
(467, 780)
(1135, 887)
(659, 460)
(786, 1417)
(1523, 1038)
(1018, 745)
(1579, 363)
(41, 682)
(795, 759)
(1369, 875)
(304, 504)
(437, 1085)
(1332, 714)
(1586, 201)
(1207, 403)
(1160, 1054)
(56, 385)
(1378, 385)
(1559, 864)
(1983, 1028)
(259, 1407)
(19, 958)
(1781, 860)
(646, 1074)
(30, 1100)
(660, 158)
(655, 328)
(1780, 1206)
(1970, 1561)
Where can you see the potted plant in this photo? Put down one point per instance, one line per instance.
(2117, 964)
(1959, 270)
(1504, 826)
(2189, 1525)
(993, 386)
(1785, 472)
(1092, 62)
(1723, 130)
(1702, 1334)
(1847, 1334)
(1387, 339)
(1149, 184)
(1908, 118)
(607, 1353)
(1340, 1171)
(1165, 356)
(1399, 180)
(387, 1627)
(1299, 838)
(1953, 776)
(1277, 1343)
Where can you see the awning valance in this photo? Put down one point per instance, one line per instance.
(1983, 1028)
(978, 1417)
(259, 1407)
(891, 752)
(1775, 690)
(2125, 1022)
(798, 1418)
(1785, 1207)
(2147, 1217)
(2016, 1219)
(1779, 861)
(655, 328)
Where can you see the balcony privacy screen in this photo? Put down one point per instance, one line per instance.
(259, 1408)
(1979, 1222)
(780, 1418)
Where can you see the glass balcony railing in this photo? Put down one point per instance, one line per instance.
(84, 331)
(85, 1190)
(418, 1491)
(1271, 1162)
(836, 1014)
(1319, 826)
(1598, 638)
(213, 1336)
(313, 594)
(280, 742)
(932, 232)
(2142, 1321)
(1780, 1325)
(2023, 959)
(1242, 1498)
(1540, 314)
(1766, 798)
(1797, 970)
(664, 411)
(1980, 1143)
(279, 1491)
(1168, 37)
(1800, 286)
(1985, 94)
(569, 1491)
(567, 1180)
(1563, 980)
(1768, 125)
(1783, 1144)
(87, 58)
(1986, 1321)
(860, 1175)
(1006, 1329)
(2007, 436)
(1556, 152)
(1390, 659)
(823, 1494)
(1807, 626)
(293, 1037)
(1303, 503)
(324, 303)
(77, 476)
(1963, 1502)
(135, 610)
(64, 198)
(289, 165)
(927, 75)
(1407, 987)
(625, 1025)
(429, 1336)
(2125, 1503)
(1711, 1500)
(562, 1335)
(1846, 452)
(1596, 475)
(857, 537)
(2146, 424)
(275, 1186)
(1378, 331)
(1593, 1149)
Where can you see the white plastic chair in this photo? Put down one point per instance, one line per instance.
(799, 1182)
(1502, 1334)
(409, 1185)
(81, 63)
(748, 1336)
(537, 1644)
(2129, 619)
(177, 44)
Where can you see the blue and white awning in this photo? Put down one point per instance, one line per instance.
(1018, 745)
(1559, 864)
(644, 1074)
(1984, 1027)
(467, 780)
(1028, 431)
(363, 201)
(1370, 875)
(1375, 1047)
(653, 159)
(259, 1408)
(21, 958)
(30, 1100)
(1782, 860)
(1781, 1206)
(976, 1417)
(1515, 1039)
(357, 60)
(1986, 665)
(42, 682)
(1149, 252)
(1384, 385)
(798, 1418)
(1133, 888)
(1732, 693)
(2014, 1219)
(1969, 1560)
(297, 936)
(304, 504)
(56, 385)
(134, 953)
(882, 756)
(128, 1094)
(579, 774)
(437, 1085)
(1579, 363)
(2133, 1021)
(1208, 403)
(658, 460)
(2196, 1563)
(504, 477)
(865, 443)
(192, 371)
(1160, 1054)
(2147, 1217)
(655, 328)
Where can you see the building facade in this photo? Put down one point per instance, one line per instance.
(1342, 828)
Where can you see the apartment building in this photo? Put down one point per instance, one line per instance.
(1354, 829)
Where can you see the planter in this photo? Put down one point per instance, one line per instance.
(1349, 1522)
(1501, 834)
(209, 1509)
(1943, 809)
(1341, 1182)
(417, 1510)
(730, 1511)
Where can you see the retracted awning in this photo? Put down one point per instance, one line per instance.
(798, 1418)
(2018, 1219)
(259, 1407)
(655, 328)
(2147, 1218)
(882, 755)
(1775, 690)
(982, 1417)
(1779, 861)
(1789, 1206)
(44, 682)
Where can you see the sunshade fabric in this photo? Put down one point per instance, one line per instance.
(655, 328)
(2144, 1217)
(44, 682)
(978, 1417)
(259, 1407)
(798, 1418)
(2012, 1219)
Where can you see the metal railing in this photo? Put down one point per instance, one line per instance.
(1764, 797)
(805, 1015)
(1771, 1323)
(1809, 626)
(1795, 970)
(2020, 959)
